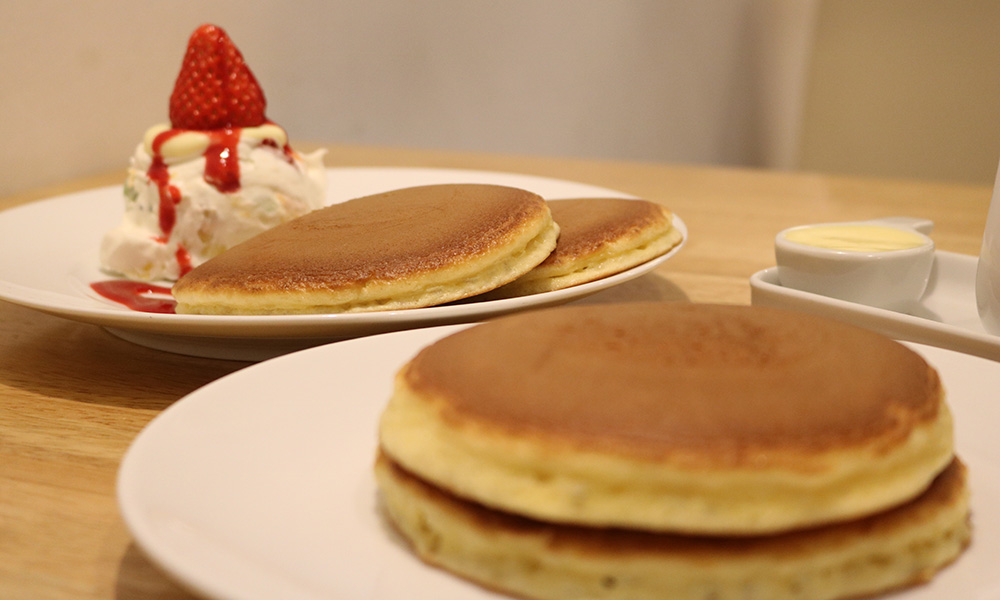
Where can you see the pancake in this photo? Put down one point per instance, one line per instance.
(531, 559)
(401, 249)
(700, 419)
(598, 237)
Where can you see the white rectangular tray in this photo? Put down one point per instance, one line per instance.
(946, 316)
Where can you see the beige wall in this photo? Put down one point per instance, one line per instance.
(692, 81)
(640, 79)
(904, 88)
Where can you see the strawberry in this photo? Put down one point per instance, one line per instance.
(215, 89)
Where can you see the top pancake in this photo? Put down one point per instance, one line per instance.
(400, 249)
(766, 413)
(654, 379)
(598, 237)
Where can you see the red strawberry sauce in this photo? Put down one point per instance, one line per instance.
(222, 171)
(286, 149)
(139, 296)
(222, 166)
(170, 196)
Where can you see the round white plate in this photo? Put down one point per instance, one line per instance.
(259, 485)
(48, 259)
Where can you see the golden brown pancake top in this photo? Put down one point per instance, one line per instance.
(585, 224)
(738, 384)
(385, 236)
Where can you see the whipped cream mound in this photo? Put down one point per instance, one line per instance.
(190, 195)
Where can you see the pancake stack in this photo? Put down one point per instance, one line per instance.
(427, 245)
(673, 451)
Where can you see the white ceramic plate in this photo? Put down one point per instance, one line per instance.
(946, 316)
(259, 485)
(48, 258)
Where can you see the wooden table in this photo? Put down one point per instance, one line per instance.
(72, 397)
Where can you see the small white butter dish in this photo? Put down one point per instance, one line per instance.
(884, 263)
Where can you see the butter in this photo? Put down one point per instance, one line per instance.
(855, 238)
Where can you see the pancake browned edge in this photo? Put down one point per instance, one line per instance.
(720, 420)
(598, 237)
(405, 248)
(901, 547)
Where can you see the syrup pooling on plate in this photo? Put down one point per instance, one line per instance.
(137, 295)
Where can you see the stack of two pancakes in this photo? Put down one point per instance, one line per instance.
(674, 451)
(427, 245)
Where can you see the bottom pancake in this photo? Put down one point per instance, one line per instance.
(903, 546)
